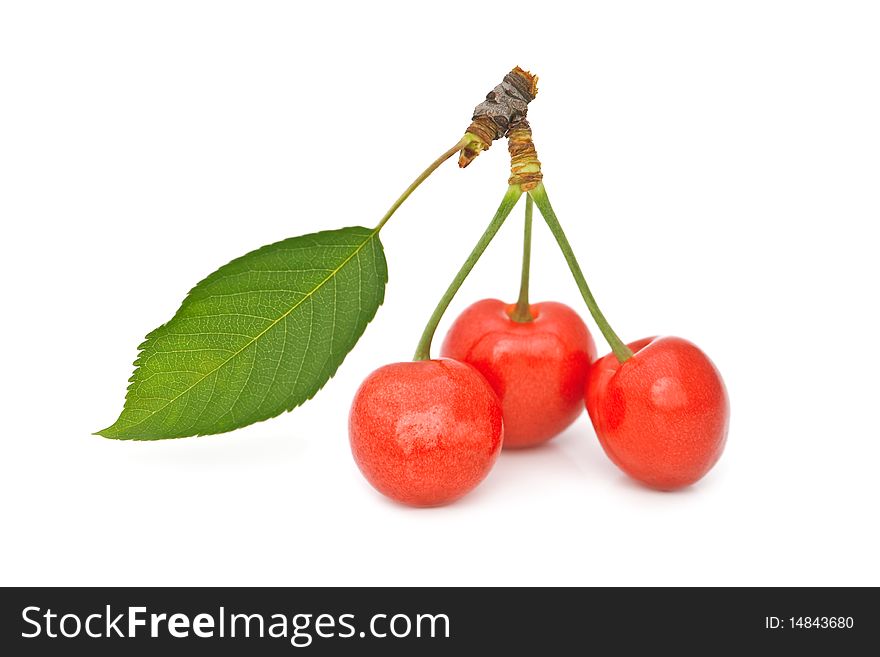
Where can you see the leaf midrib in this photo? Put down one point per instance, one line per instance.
(261, 333)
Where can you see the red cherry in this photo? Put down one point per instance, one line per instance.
(662, 415)
(424, 433)
(538, 368)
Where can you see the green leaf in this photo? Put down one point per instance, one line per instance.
(259, 336)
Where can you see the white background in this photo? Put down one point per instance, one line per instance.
(716, 166)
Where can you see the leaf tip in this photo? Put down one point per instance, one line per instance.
(109, 432)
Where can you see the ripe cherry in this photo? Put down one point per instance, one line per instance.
(661, 415)
(425, 432)
(538, 367)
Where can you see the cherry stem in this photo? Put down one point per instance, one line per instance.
(523, 312)
(423, 351)
(462, 143)
(539, 194)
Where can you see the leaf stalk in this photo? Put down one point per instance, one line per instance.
(464, 142)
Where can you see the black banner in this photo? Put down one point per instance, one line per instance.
(278, 621)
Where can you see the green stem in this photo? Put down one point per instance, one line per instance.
(423, 351)
(523, 312)
(464, 141)
(617, 345)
